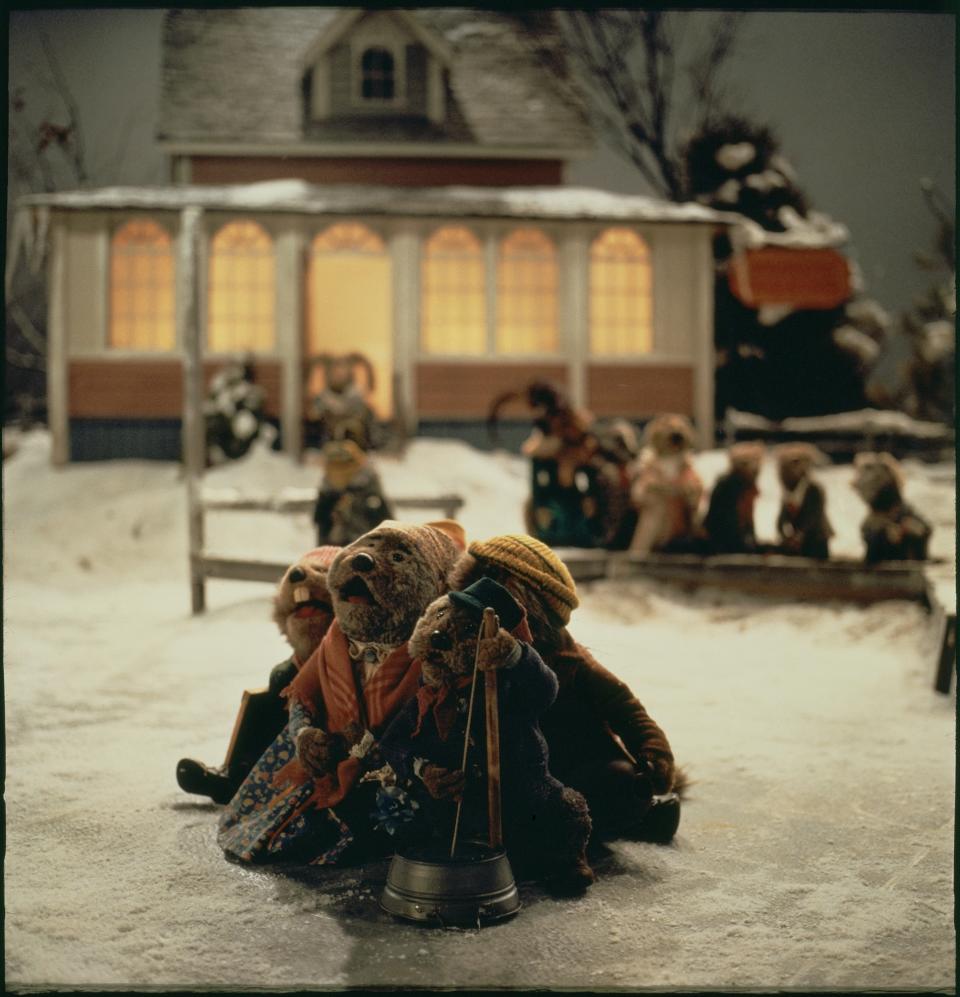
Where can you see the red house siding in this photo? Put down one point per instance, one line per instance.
(642, 390)
(147, 389)
(465, 391)
(407, 172)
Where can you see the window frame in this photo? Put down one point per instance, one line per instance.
(116, 221)
(398, 49)
(213, 223)
(655, 355)
(490, 234)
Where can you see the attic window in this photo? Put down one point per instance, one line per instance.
(377, 75)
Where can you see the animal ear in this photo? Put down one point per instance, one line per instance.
(452, 529)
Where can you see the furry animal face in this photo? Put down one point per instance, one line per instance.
(795, 461)
(669, 434)
(547, 631)
(876, 475)
(445, 642)
(301, 605)
(745, 460)
(382, 581)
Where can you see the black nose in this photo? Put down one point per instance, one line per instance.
(362, 562)
(676, 439)
(440, 641)
(297, 575)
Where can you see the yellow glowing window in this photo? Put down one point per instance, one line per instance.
(141, 288)
(453, 294)
(241, 291)
(527, 314)
(350, 305)
(621, 295)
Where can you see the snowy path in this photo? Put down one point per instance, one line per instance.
(816, 849)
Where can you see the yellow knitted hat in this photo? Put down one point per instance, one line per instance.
(534, 562)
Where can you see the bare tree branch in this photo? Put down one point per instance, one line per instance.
(75, 145)
(625, 63)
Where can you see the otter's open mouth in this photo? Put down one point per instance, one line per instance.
(357, 593)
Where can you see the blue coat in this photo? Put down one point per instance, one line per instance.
(525, 691)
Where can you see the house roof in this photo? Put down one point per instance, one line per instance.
(543, 203)
(234, 76)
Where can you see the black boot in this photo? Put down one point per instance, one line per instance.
(195, 777)
(659, 824)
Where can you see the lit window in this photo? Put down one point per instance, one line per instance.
(240, 312)
(141, 288)
(377, 74)
(350, 305)
(348, 237)
(527, 315)
(453, 300)
(621, 298)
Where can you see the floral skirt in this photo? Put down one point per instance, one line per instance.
(264, 823)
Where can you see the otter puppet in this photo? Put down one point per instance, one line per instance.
(340, 702)
(545, 824)
(303, 614)
(892, 529)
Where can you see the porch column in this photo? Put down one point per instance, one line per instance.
(704, 370)
(57, 352)
(574, 312)
(405, 256)
(290, 298)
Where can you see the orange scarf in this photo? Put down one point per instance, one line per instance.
(327, 686)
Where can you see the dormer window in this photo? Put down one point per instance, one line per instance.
(377, 79)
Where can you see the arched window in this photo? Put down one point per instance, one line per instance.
(350, 304)
(621, 294)
(527, 312)
(141, 287)
(241, 289)
(453, 294)
(377, 79)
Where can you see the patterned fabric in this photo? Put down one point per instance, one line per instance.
(263, 823)
(281, 811)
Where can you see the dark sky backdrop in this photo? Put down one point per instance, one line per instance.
(862, 101)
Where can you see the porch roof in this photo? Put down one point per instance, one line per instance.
(296, 196)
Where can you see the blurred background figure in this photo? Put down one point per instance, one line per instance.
(892, 529)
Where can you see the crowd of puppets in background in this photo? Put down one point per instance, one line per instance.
(595, 483)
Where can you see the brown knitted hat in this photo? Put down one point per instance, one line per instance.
(535, 563)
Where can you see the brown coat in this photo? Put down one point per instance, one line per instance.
(595, 717)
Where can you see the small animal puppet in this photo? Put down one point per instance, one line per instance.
(545, 824)
(892, 529)
(340, 410)
(602, 741)
(305, 800)
(666, 488)
(729, 519)
(303, 614)
(233, 411)
(802, 524)
(350, 500)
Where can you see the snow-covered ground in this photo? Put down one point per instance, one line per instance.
(815, 850)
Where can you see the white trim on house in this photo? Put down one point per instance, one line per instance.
(400, 150)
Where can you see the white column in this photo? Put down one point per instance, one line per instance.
(405, 256)
(574, 311)
(290, 308)
(704, 372)
(57, 348)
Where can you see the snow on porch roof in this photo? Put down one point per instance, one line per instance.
(546, 203)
